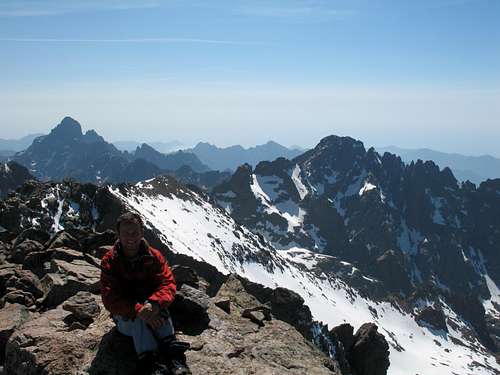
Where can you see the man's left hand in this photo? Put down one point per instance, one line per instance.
(149, 312)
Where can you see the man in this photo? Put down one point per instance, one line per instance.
(137, 286)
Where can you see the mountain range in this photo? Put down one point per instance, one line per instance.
(359, 236)
(473, 168)
(163, 147)
(66, 152)
(425, 334)
(229, 158)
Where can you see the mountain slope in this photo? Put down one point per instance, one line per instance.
(413, 227)
(189, 225)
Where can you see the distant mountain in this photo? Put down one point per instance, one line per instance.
(163, 147)
(18, 144)
(6, 154)
(231, 157)
(473, 168)
(12, 175)
(169, 162)
(66, 152)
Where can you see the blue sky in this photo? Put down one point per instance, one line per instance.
(410, 73)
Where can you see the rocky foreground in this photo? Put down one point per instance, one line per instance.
(52, 320)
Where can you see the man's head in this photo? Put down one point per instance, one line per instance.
(130, 232)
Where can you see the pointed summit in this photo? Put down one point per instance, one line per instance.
(69, 128)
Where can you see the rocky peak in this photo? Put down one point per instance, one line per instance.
(334, 152)
(91, 136)
(145, 149)
(67, 129)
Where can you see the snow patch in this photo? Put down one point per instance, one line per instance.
(302, 190)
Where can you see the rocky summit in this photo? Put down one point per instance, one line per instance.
(53, 321)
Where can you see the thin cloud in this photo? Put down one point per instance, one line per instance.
(30, 8)
(310, 11)
(128, 40)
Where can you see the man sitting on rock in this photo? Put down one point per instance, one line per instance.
(137, 286)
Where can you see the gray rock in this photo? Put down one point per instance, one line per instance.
(67, 279)
(224, 303)
(369, 354)
(26, 247)
(234, 290)
(19, 297)
(83, 305)
(12, 316)
(67, 254)
(63, 239)
(185, 275)
(27, 281)
(46, 345)
(433, 317)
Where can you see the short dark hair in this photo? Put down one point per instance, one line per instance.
(129, 217)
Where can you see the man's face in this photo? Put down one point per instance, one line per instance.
(130, 235)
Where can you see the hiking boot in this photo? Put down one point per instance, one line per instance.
(172, 354)
(145, 363)
(178, 367)
(160, 369)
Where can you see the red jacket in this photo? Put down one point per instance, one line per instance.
(127, 284)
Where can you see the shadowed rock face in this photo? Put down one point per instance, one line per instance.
(12, 175)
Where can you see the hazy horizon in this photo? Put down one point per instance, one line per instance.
(414, 75)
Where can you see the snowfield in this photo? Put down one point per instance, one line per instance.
(192, 226)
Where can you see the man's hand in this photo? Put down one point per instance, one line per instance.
(149, 312)
(156, 322)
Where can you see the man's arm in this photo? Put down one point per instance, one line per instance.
(113, 301)
(164, 293)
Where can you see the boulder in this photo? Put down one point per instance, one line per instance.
(7, 270)
(63, 239)
(33, 234)
(19, 253)
(66, 279)
(224, 303)
(185, 275)
(12, 316)
(48, 345)
(83, 306)
(234, 290)
(344, 333)
(27, 281)
(94, 241)
(18, 296)
(433, 317)
(189, 309)
(369, 355)
(67, 254)
(288, 306)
